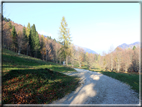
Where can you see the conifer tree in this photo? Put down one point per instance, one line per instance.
(37, 46)
(25, 41)
(134, 47)
(65, 40)
(34, 42)
(14, 36)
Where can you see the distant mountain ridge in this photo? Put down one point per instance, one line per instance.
(87, 50)
(124, 45)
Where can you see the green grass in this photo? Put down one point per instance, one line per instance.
(131, 79)
(27, 81)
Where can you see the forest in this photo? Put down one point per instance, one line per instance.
(26, 40)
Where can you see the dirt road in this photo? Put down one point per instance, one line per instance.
(97, 88)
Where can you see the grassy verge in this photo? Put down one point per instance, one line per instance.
(131, 79)
(27, 80)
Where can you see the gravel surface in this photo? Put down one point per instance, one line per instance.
(97, 88)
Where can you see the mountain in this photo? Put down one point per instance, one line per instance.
(87, 50)
(124, 45)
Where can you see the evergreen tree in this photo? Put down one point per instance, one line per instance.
(10, 25)
(14, 37)
(134, 47)
(65, 40)
(30, 43)
(24, 34)
(37, 46)
(34, 42)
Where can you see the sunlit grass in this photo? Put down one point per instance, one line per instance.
(27, 81)
(131, 79)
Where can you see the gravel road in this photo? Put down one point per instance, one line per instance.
(97, 88)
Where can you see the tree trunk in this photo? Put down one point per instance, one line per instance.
(60, 60)
(66, 60)
(27, 49)
(79, 64)
(19, 51)
(46, 54)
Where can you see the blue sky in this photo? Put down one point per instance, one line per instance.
(93, 25)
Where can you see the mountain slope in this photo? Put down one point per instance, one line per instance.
(89, 50)
(124, 45)
(86, 49)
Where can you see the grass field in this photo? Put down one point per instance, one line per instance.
(131, 79)
(27, 80)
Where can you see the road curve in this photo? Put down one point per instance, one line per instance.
(97, 88)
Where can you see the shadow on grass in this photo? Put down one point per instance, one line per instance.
(63, 68)
(35, 86)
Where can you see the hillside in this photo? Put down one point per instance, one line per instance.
(18, 27)
(28, 80)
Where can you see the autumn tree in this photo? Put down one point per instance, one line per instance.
(42, 47)
(19, 41)
(25, 40)
(135, 59)
(57, 48)
(79, 56)
(126, 60)
(47, 47)
(28, 31)
(65, 40)
(118, 58)
(7, 36)
(72, 58)
(90, 60)
(111, 58)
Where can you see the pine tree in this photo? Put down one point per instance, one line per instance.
(134, 47)
(14, 37)
(37, 46)
(34, 42)
(65, 40)
(30, 43)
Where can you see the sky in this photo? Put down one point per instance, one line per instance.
(97, 26)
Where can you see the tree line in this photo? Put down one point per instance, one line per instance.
(27, 41)
(121, 60)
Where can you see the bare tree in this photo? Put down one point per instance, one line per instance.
(126, 60)
(72, 58)
(79, 55)
(118, 59)
(111, 57)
